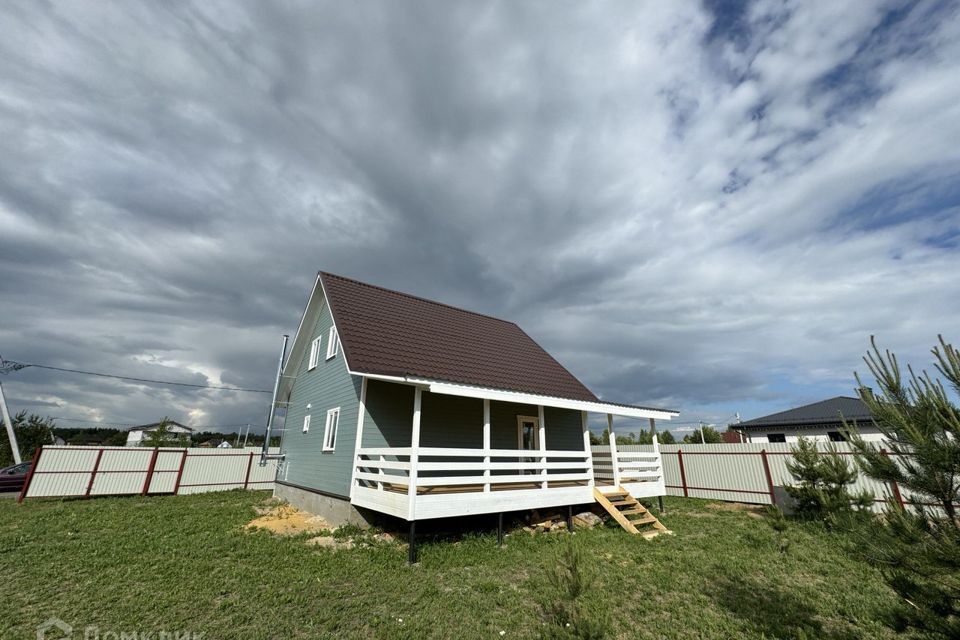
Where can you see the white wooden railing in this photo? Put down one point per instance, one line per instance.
(479, 470)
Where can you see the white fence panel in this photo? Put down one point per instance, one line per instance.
(63, 471)
(733, 472)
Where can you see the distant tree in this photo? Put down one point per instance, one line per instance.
(916, 549)
(665, 437)
(710, 435)
(163, 437)
(32, 431)
(594, 439)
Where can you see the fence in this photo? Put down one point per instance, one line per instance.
(102, 471)
(753, 473)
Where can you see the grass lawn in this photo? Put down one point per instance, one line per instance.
(185, 563)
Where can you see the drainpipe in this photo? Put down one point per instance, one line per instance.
(265, 453)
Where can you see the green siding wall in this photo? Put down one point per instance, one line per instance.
(452, 421)
(327, 386)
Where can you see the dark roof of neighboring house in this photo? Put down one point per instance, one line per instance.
(391, 333)
(154, 425)
(825, 412)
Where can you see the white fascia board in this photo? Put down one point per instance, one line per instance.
(467, 391)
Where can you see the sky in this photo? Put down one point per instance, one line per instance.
(708, 207)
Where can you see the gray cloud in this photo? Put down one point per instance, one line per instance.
(681, 205)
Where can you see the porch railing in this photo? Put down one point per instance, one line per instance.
(470, 470)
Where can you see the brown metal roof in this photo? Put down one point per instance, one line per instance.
(391, 333)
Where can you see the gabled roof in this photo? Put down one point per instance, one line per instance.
(818, 414)
(397, 336)
(390, 333)
(152, 426)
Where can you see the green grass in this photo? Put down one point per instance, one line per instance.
(184, 563)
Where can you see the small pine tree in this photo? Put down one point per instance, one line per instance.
(163, 437)
(823, 479)
(917, 549)
(566, 583)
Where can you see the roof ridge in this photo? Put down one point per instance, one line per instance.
(420, 298)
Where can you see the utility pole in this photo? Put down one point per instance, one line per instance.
(245, 436)
(703, 438)
(10, 433)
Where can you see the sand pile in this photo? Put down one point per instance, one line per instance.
(285, 520)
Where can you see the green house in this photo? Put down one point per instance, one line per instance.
(404, 406)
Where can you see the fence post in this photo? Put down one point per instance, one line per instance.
(183, 463)
(893, 483)
(766, 470)
(246, 481)
(153, 463)
(33, 468)
(683, 474)
(93, 474)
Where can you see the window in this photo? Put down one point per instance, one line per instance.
(314, 354)
(333, 343)
(330, 431)
(306, 423)
(836, 436)
(776, 437)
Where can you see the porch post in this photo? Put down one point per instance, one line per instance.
(656, 450)
(543, 445)
(486, 444)
(613, 450)
(586, 447)
(414, 455)
(359, 443)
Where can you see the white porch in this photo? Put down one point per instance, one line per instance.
(420, 483)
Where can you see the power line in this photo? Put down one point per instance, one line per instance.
(109, 423)
(12, 365)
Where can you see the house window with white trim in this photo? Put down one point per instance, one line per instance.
(333, 343)
(306, 423)
(314, 353)
(330, 431)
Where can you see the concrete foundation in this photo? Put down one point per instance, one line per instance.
(336, 511)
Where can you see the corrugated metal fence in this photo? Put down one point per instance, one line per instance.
(102, 471)
(751, 473)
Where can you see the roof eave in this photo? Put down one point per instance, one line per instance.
(505, 395)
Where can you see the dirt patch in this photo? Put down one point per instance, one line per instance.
(753, 510)
(285, 520)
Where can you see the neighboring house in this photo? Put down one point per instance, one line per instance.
(416, 409)
(215, 444)
(819, 421)
(730, 436)
(136, 435)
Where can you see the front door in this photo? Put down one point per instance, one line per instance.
(528, 437)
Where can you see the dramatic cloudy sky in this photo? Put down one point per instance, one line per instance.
(708, 207)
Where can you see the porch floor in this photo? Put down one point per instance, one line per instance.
(399, 487)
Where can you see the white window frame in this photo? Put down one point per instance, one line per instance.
(333, 343)
(314, 354)
(306, 423)
(330, 435)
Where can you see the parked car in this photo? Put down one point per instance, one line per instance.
(12, 478)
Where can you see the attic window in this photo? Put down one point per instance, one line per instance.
(333, 343)
(330, 431)
(776, 437)
(314, 353)
(836, 436)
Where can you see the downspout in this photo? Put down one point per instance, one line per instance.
(265, 453)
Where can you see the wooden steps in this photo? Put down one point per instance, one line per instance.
(622, 507)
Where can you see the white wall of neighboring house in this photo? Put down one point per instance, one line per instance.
(136, 437)
(869, 433)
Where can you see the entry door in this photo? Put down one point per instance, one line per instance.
(528, 436)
